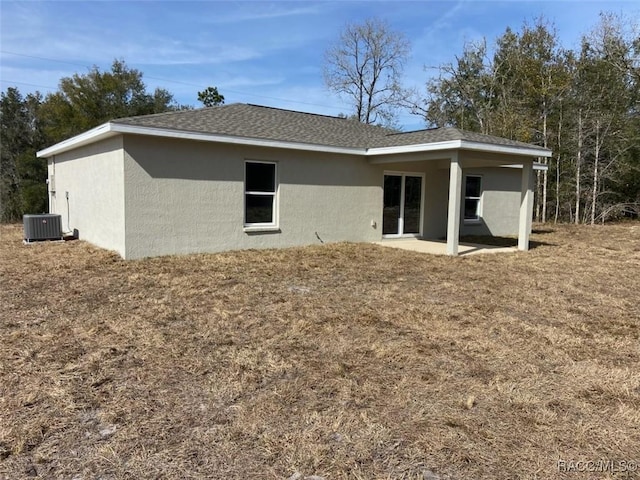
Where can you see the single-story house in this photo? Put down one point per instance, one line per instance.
(244, 176)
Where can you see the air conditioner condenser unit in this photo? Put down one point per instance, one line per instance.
(47, 226)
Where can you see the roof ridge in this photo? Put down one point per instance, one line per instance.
(294, 111)
(391, 134)
(351, 121)
(177, 112)
(348, 121)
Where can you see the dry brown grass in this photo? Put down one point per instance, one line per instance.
(340, 361)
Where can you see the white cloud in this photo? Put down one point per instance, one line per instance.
(254, 11)
(28, 80)
(255, 51)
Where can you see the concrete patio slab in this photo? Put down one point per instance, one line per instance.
(436, 247)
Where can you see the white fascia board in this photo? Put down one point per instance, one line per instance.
(536, 166)
(418, 147)
(110, 129)
(524, 151)
(230, 139)
(461, 145)
(98, 133)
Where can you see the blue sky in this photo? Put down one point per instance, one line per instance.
(268, 53)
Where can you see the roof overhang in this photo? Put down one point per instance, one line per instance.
(111, 129)
(532, 151)
(96, 134)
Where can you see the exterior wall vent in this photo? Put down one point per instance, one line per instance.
(42, 227)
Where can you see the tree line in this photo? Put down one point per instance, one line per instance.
(33, 122)
(582, 104)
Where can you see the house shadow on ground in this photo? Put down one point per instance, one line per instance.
(505, 241)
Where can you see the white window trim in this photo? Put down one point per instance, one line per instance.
(479, 211)
(263, 226)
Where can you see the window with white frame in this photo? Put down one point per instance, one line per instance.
(260, 187)
(472, 198)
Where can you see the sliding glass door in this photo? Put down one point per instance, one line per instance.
(402, 204)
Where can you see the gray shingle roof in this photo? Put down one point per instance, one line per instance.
(266, 123)
(446, 134)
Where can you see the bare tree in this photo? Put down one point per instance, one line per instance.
(366, 65)
(580, 135)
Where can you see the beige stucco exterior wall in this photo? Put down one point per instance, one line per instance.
(500, 202)
(92, 176)
(184, 197)
(146, 196)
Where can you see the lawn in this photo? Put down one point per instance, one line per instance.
(347, 361)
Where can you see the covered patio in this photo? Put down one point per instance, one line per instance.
(436, 247)
(443, 212)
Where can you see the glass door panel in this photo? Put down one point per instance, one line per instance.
(392, 201)
(412, 201)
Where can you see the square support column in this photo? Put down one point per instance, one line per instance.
(453, 217)
(526, 206)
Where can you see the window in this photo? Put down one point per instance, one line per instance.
(260, 188)
(472, 198)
